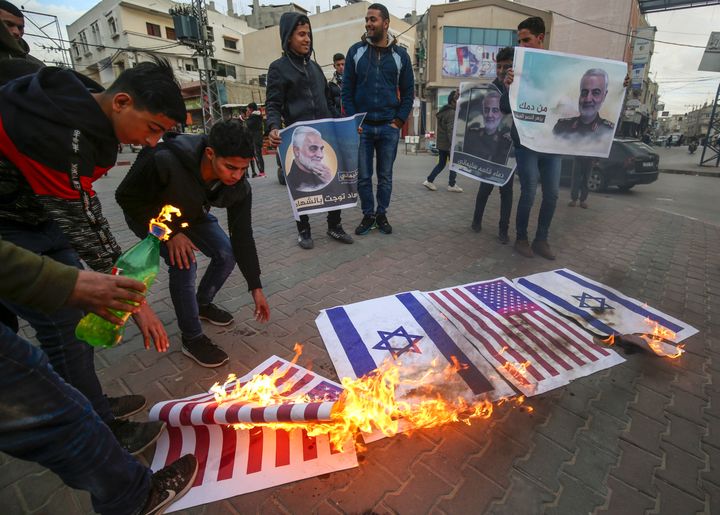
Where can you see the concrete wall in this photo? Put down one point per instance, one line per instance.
(576, 38)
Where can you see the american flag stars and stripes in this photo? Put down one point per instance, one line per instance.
(533, 348)
(234, 462)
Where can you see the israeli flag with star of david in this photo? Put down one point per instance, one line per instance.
(600, 309)
(408, 330)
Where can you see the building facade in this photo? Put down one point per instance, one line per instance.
(116, 34)
(457, 42)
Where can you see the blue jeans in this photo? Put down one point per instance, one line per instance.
(382, 141)
(215, 244)
(443, 156)
(45, 420)
(533, 167)
(71, 358)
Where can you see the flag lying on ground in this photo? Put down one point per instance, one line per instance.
(533, 348)
(599, 308)
(405, 328)
(234, 462)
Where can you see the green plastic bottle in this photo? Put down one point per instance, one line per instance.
(141, 262)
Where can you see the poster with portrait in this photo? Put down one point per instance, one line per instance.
(566, 104)
(481, 140)
(320, 161)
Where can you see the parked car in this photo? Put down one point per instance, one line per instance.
(631, 162)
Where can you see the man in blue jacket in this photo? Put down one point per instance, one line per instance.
(378, 80)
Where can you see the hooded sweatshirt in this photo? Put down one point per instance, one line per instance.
(170, 174)
(297, 89)
(57, 138)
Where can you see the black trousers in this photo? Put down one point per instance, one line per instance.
(333, 219)
(506, 198)
(581, 173)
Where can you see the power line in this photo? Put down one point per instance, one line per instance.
(625, 33)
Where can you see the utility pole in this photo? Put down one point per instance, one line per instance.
(192, 30)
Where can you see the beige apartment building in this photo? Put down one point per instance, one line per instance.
(115, 34)
(334, 31)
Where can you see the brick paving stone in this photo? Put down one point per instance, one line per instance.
(636, 468)
(10, 499)
(591, 464)
(543, 461)
(712, 468)
(497, 459)
(576, 498)
(603, 431)
(36, 489)
(645, 432)
(420, 492)
(685, 435)
(523, 496)
(650, 403)
(562, 427)
(688, 406)
(625, 500)
(681, 470)
(673, 501)
(472, 495)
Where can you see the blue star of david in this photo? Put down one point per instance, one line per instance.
(386, 344)
(600, 302)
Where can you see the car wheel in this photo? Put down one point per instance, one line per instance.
(281, 176)
(626, 187)
(596, 180)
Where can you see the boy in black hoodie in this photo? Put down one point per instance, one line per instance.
(193, 173)
(298, 91)
(59, 132)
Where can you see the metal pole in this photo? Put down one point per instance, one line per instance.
(713, 131)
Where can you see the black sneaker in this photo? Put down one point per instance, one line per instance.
(368, 222)
(305, 239)
(503, 237)
(339, 234)
(204, 351)
(135, 437)
(169, 484)
(126, 405)
(476, 226)
(382, 223)
(215, 315)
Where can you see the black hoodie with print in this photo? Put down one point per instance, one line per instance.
(55, 141)
(297, 89)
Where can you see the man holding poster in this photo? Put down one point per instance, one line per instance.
(298, 91)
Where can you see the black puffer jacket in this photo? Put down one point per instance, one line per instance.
(297, 89)
(170, 174)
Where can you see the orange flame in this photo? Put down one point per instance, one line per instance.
(660, 339)
(165, 216)
(380, 401)
(610, 340)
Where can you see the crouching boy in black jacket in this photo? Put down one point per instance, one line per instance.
(194, 172)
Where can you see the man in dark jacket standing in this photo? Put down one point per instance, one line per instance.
(336, 84)
(445, 122)
(254, 124)
(503, 63)
(378, 80)
(298, 91)
(194, 172)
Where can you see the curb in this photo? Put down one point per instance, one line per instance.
(697, 173)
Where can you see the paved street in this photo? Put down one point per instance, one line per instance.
(642, 437)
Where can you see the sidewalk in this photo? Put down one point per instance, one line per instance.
(641, 437)
(679, 160)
